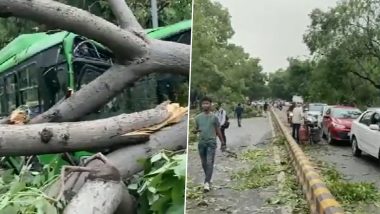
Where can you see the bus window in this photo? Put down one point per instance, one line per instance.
(10, 87)
(54, 89)
(29, 87)
(87, 75)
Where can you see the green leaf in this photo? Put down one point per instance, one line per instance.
(7, 176)
(156, 158)
(44, 207)
(178, 193)
(16, 186)
(133, 186)
(176, 209)
(10, 210)
(180, 169)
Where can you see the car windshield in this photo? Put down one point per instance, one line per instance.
(316, 108)
(343, 113)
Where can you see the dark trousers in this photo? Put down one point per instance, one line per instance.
(223, 130)
(296, 131)
(207, 154)
(239, 120)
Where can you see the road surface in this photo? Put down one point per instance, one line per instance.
(363, 169)
(254, 133)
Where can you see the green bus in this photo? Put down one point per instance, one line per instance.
(39, 69)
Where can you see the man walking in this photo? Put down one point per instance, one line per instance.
(266, 105)
(297, 121)
(239, 112)
(224, 124)
(207, 125)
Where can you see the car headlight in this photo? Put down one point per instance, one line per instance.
(338, 126)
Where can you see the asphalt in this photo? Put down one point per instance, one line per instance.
(356, 169)
(254, 133)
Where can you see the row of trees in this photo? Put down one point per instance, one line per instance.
(345, 65)
(219, 68)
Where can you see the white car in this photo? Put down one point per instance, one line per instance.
(365, 133)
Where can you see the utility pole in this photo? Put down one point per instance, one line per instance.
(153, 8)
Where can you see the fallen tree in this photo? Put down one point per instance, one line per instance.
(170, 138)
(48, 138)
(135, 56)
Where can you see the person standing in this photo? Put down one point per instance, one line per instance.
(208, 127)
(265, 108)
(297, 121)
(224, 124)
(239, 112)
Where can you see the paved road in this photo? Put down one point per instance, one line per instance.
(365, 168)
(224, 199)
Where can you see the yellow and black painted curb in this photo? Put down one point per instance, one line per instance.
(320, 200)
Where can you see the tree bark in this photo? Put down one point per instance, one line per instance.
(124, 16)
(126, 159)
(97, 196)
(88, 135)
(164, 57)
(123, 43)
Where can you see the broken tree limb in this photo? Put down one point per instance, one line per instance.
(137, 56)
(126, 160)
(102, 193)
(87, 135)
(165, 57)
(123, 43)
(124, 15)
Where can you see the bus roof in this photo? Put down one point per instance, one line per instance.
(27, 45)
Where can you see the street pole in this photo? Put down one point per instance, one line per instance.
(154, 13)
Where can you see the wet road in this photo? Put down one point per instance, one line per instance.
(364, 168)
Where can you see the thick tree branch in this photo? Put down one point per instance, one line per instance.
(171, 138)
(87, 135)
(102, 192)
(164, 57)
(124, 16)
(366, 76)
(124, 44)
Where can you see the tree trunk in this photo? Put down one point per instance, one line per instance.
(100, 197)
(87, 135)
(126, 159)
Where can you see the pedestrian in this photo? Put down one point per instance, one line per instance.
(266, 105)
(207, 125)
(297, 121)
(238, 113)
(223, 119)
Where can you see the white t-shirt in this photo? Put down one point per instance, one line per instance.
(221, 115)
(297, 115)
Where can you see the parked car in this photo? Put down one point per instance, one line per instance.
(365, 133)
(315, 110)
(337, 121)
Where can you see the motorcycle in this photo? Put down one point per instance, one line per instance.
(290, 116)
(313, 130)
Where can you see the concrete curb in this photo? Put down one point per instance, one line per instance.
(281, 176)
(320, 200)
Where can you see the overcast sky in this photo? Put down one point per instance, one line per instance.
(272, 30)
